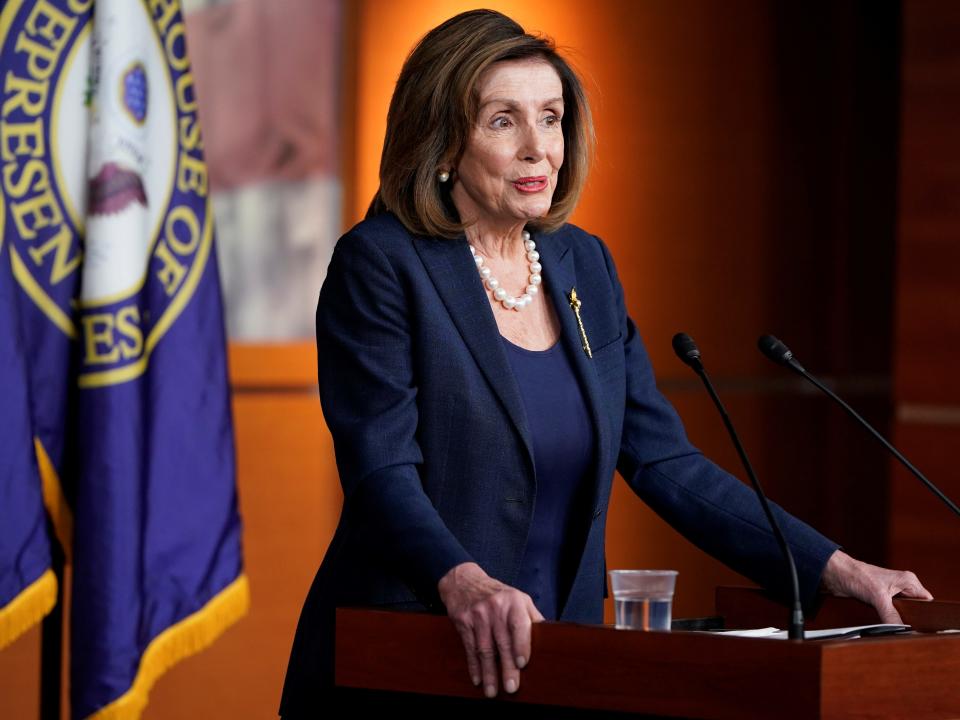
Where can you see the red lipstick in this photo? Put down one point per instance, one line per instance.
(530, 184)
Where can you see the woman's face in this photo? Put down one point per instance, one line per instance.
(508, 170)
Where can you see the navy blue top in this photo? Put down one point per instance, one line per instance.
(563, 446)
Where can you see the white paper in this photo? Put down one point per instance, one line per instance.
(842, 632)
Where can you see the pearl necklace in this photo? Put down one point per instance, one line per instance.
(493, 285)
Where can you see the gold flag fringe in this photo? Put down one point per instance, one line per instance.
(28, 608)
(188, 637)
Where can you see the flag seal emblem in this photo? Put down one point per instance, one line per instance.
(105, 192)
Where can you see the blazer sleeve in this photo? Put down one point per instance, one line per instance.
(369, 399)
(710, 507)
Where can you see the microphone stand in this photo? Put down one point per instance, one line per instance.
(779, 353)
(689, 354)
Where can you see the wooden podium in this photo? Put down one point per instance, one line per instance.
(599, 671)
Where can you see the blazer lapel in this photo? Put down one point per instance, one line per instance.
(559, 275)
(458, 283)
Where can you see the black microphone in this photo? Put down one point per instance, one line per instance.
(688, 352)
(780, 354)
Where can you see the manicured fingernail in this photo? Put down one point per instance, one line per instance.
(510, 685)
(475, 679)
(521, 662)
(490, 691)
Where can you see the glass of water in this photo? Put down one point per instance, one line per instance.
(643, 599)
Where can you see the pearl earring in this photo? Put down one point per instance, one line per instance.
(443, 176)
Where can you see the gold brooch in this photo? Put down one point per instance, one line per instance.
(575, 306)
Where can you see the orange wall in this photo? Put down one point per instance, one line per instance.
(684, 100)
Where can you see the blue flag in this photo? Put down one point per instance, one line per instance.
(28, 587)
(110, 235)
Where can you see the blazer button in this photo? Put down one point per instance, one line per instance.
(597, 513)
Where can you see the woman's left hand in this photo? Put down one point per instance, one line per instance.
(846, 577)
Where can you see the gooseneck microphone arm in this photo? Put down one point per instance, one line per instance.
(686, 349)
(780, 354)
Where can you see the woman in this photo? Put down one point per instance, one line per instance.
(482, 380)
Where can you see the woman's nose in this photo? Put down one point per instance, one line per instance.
(532, 146)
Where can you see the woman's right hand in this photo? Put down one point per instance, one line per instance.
(493, 620)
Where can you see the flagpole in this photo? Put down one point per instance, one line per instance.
(51, 644)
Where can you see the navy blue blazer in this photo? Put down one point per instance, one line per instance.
(434, 450)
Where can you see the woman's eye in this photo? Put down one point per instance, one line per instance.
(552, 120)
(501, 122)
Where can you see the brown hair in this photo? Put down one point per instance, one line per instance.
(435, 105)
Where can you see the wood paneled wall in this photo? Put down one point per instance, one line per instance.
(923, 531)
